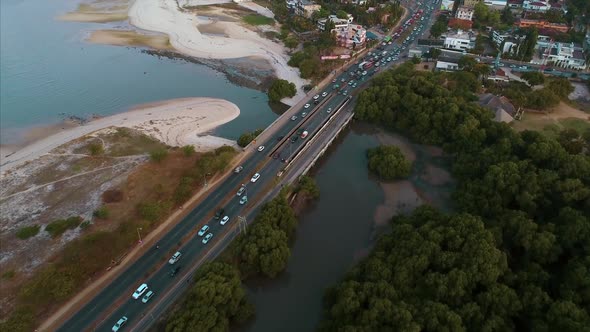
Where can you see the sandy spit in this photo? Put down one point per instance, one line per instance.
(182, 28)
(175, 122)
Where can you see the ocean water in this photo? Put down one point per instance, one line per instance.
(48, 71)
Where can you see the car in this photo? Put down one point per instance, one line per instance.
(207, 238)
(203, 230)
(219, 213)
(294, 139)
(175, 258)
(261, 148)
(139, 291)
(119, 324)
(255, 177)
(329, 110)
(241, 190)
(304, 114)
(175, 270)
(147, 296)
(238, 169)
(343, 80)
(324, 94)
(276, 156)
(294, 117)
(243, 200)
(512, 66)
(224, 220)
(364, 73)
(306, 105)
(354, 85)
(389, 43)
(350, 82)
(334, 81)
(345, 92)
(316, 97)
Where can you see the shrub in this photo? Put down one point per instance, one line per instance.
(188, 150)
(95, 149)
(58, 227)
(158, 155)
(280, 89)
(248, 137)
(8, 274)
(21, 320)
(28, 231)
(102, 213)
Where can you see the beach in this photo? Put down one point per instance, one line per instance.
(182, 29)
(175, 122)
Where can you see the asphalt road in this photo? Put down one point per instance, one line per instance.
(115, 301)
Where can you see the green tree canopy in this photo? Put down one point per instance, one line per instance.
(280, 89)
(388, 162)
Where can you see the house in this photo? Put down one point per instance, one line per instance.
(446, 66)
(351, 36)
(499, 3)
(515, 3)
(464, 13)
(542, 24)
(339, 23)
(536, 5)
(498, 76)
(415, 52)
(306, 8)
(503, 110)
(461, 41)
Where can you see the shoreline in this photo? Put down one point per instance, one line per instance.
(175, 122)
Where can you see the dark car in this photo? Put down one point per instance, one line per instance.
(294, 139)
(280, 138)
(174, 271)
(276, 156)
(219, 213)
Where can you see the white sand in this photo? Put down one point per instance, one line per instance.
(175, 122)
(181, 26)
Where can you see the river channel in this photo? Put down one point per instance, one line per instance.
(338, 229)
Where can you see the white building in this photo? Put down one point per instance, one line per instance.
(506, 42)
(499, 3)
(566, 55)
(536, 5)
(446, 66)
(464, 13)
(339, 23)
(460, 41)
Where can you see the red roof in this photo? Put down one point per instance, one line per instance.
(540, 4)
(459, 23)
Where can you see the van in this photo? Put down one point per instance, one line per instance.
(140, 290)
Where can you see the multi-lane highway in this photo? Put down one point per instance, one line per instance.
(282, 142)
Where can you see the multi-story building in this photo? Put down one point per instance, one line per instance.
(542, 24)
(566, 55)
(507, 43)
(460, 41)
(339, 23)
(536, 5)
(515, 3)
(464, 13)
(306, 8)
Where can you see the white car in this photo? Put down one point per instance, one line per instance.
(261, 148)
(324, 94)
(294, 117)
(147, 296)
(306, 106)
(304, 114)
(175, 257)
(207, 238)
(224, 220)
(203, 230)
(139, 292)
(316, 97)
(255, 178)
(119, 324)
(241, 191)
(244, 200)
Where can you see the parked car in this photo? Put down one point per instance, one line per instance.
(147, 297)
(175, 257)
(255, 178)
(316, 97)
(224, 220)
(306, 105)
(243, 200)
(304, 114)
(324, 94)
(238, 169)
(139, 291)
(203, 230)
(119, 324)
(207, 238)
(261, 148)
(294, 117)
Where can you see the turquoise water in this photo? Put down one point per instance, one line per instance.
(46, 69)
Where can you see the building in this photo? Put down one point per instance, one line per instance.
(339, 23)
(470, 3)
(447, 5)
(536, 5)
(515, 3)
(542, 24)
(503, 110)
(565, 55)
(355, 2)
(587, 42)
(351, 36)
(460, 41)
(459, 24)
(446, 66)
(306, 8)
(507, 43)
(415, 52)
(464, 13)
(499, 3)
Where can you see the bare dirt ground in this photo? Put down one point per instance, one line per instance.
(67, 182)
(563, 116)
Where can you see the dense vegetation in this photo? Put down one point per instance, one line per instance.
(388, 162)
(280, 89)
(58, 227)
(515, 257)
(533, 77)
(214, 301)
(521, 95)
(248, 137)
(257, 19)
(68, 272)
(28, 231)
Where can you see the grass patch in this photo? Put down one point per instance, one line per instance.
(579, 125)
(127, 142)
(257, 19)
(58, 227)
(27, 232)
(8, 274)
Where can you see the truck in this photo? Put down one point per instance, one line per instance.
(304, 134)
